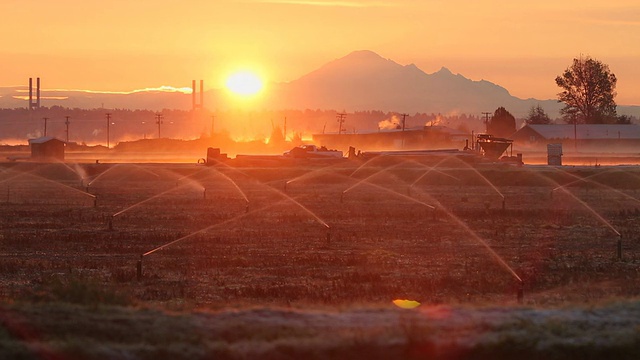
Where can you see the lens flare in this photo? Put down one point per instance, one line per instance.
(406, 304)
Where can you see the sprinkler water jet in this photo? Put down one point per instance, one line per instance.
(520, 292)
(619, 247)
(139, 268)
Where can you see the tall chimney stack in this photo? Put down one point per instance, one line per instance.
(30, 93)
(201, 94)
(193, 95)
(38, 94)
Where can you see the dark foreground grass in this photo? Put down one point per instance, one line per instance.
(56, 330)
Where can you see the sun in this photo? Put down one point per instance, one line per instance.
(244, 83)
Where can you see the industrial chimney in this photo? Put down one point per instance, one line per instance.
(194, 104)
(34, 105)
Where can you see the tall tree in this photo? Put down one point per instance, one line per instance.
(502, 123)
(588, 90)
(537, 115)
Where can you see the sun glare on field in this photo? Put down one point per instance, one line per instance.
(244, 83)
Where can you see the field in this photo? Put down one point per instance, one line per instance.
(309, 240)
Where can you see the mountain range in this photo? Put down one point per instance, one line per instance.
(360, 81)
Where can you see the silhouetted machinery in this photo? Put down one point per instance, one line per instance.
(493, 148)
(213, 157)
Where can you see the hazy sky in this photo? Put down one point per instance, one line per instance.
(122, 45)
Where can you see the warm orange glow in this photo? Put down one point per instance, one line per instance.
(244, 83)
(406, 304)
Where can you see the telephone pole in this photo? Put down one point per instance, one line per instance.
(108, 123)
(404, 120)
(341, 117)
(285, 129)
(486, 121)
(159, 118)
(45, 125)
(66, 122)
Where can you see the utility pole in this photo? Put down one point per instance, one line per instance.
(486, 121)
(404, 120)
(341, 117)
(159, 118)
(45, 125)
(108, 123)
(285, 129)
(66, 122)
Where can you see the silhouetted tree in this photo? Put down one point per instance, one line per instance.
(502, 123)
(277, 137)
(588, 89)
(537, 116)
(624, 120)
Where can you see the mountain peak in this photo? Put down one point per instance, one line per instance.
(363, 55)
(444, 71)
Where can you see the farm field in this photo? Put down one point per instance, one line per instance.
(305, 239)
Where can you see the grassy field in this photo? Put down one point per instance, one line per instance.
(304, 261)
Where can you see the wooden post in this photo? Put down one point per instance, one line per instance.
(139, 269)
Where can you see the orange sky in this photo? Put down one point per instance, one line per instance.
(121, 45)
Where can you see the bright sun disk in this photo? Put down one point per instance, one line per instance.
(244, 83)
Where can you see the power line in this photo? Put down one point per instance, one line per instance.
(159, 118)
(341, 117)
(486, 121)
(108, 123)
(404, 120)
(66, 122)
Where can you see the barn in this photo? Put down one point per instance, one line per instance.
(585, 137)
(425, 137)
(47, 148)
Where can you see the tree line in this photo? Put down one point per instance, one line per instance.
(588, 90)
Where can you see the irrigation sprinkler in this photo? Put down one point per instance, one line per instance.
(503, 204)
(285, 186)
(139, 268)
(110, 223)
(520, 292)
(409, 190)
(619, 247)
(328, 238)
(341, 197)
(95, 201)
(246, 208)
(204, 193)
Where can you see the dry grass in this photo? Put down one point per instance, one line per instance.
(383, 243)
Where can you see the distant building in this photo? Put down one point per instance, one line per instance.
(424, 137)
(47, 148)
(586, 137)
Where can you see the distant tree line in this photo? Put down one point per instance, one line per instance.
(90, 125)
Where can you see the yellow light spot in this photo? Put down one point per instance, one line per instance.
(406, 304)
(244, 83)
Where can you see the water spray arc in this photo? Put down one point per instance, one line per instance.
(226, 222)
(589, 208)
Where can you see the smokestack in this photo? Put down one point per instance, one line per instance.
(201, 94)
(193, 95)
(30, 93)
(38, 94)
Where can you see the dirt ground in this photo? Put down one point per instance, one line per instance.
(186, 236)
